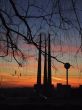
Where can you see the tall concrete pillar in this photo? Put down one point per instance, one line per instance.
(49, 61)
(39, 64)
(45, 65)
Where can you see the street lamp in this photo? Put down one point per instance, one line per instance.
(67, 66)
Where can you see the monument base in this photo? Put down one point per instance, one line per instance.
(38, 87)
(48, 90)
(45, 89)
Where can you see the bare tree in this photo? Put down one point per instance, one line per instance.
(22, 21)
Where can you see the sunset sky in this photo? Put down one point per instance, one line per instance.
(12, 75)
(65, 28)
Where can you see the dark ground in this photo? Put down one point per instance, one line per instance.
(29, 99)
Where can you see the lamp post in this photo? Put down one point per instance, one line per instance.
(67, 66)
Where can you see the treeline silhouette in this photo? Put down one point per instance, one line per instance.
(60, 97)
(59, 92)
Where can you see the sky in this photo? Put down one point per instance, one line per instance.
(61, 22)
(12, 75)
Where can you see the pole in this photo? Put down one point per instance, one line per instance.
(67, 76)
(39, 64)
(45, 64)
(49, 61)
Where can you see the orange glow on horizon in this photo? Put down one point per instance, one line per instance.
(8, 78)
(29, 81)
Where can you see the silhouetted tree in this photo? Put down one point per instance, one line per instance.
(23, 20)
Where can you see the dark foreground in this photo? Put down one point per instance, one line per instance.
(40, 107)
(27, 98)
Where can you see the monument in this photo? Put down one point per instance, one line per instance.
(47, 80)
